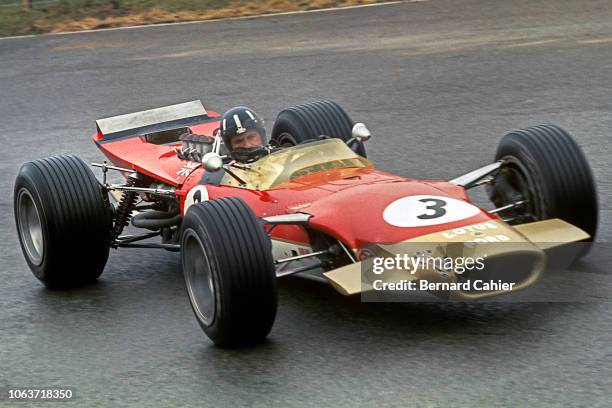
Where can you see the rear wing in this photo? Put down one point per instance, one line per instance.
(152, 121)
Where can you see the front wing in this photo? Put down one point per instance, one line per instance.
(517, 252)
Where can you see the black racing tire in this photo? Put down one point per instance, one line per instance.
(301, 123)
(227, 262)
(558, 179)
(63, 220)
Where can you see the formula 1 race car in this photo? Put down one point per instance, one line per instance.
(315, 205)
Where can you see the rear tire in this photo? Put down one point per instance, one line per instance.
(544, 165)
(227, 261)
(301, 123)
(63, 219)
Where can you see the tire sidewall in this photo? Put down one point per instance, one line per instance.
(285, 127)
(537, 186)
(24, 181)
(200, 233)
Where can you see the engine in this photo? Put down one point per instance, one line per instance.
(194, 146)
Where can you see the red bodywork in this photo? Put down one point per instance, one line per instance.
(346, 204)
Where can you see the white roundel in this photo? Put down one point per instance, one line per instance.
(422, 210)
(195, 195)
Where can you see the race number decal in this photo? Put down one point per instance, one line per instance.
(194, 196)
(422, 210)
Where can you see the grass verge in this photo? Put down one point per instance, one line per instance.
(74, 15)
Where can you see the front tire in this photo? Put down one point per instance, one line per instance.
(62, 219)
(302, 123)
(545, 167)
(229, 272)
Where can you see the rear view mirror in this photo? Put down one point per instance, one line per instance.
(361, 132)
(212, 162)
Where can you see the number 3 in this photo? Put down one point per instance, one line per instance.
(425, 210)
(437, 207)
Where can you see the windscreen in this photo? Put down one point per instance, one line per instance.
(297, 161)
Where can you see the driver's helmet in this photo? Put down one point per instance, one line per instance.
(243, 134)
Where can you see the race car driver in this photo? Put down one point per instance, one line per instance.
(243, 134)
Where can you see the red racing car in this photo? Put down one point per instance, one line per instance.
(315, 204)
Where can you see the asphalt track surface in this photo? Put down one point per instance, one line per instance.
(438, 82)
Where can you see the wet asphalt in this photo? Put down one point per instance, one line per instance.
(438, 83)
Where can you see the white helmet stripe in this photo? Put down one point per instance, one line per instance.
(238, 124)
(248, 112)
(224, 125)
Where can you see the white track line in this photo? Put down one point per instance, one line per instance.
(286, 13)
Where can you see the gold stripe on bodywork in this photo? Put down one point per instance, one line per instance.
(551, 233)
(346, 279)
(531, 238)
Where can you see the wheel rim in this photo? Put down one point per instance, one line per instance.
(519, 186)
(199, 278)
(30, 227)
